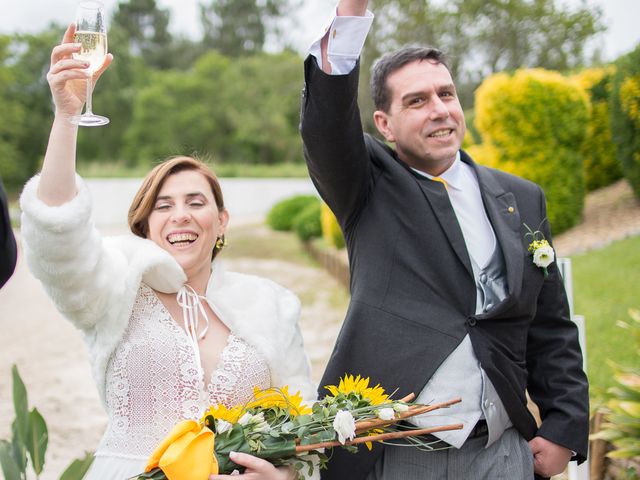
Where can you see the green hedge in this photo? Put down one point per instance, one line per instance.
(625, 116)
(307, 223)
(533, 124)
(601, 164)
(282, 214)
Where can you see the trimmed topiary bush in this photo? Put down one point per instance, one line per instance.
(331, 231)
(283, 213)
(307, 223)
(625, 116)
(534, 123)
(601, 164)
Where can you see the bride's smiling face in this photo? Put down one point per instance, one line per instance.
(185, 220)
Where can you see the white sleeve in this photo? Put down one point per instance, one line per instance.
(66, 253)
(346, 39)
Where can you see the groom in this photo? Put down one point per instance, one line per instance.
(446, 300)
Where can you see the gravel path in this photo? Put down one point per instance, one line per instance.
(611, 213)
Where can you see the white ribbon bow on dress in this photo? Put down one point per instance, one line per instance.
(192, 306)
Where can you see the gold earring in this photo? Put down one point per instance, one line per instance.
(220, 243)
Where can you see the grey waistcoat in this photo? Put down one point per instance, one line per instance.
(461, 375)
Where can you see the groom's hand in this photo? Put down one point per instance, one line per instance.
(549, 458)
(354, 8)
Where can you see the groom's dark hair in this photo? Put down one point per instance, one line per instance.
(391, 62)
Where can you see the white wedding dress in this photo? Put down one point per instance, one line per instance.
(154, 381)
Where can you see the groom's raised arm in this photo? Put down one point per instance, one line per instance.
(331, 130)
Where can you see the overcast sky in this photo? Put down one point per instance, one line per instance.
(620, 16)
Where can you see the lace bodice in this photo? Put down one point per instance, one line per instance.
(153, 380)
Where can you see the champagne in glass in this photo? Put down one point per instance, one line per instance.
(91, 34)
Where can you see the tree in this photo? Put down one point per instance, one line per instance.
(180, 113)
(13, 168)
(30, 56)
(114, 96)
(482, 37)
(146, 27)
(239, 27)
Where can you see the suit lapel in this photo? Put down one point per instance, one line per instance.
(436, 194)
(504, 216)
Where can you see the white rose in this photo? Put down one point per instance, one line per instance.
(222, 426)
(543, 256)
(345, 426)
(386, 414)
(245, 419)
(400, 407)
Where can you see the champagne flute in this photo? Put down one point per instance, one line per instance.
(91, 34)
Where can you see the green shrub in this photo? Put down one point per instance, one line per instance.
(331, 231)
(601, 164)
(471, 136)
(534, 123)
(284, 212)
(307, 223)
(625, 116)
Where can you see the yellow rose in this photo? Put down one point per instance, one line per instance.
(187, 453)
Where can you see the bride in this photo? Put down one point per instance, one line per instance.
(169, 331)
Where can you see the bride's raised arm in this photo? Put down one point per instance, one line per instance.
(67, 80)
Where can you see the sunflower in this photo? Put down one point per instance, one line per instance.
(220, 412)
(279, 398)
(359, 386)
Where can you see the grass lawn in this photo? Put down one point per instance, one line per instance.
(606, 285)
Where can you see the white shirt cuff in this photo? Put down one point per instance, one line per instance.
(346, 39)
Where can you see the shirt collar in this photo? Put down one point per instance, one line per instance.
(454, 175)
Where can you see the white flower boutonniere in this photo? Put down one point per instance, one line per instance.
(543, 254)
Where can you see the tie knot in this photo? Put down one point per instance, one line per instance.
(441, 180)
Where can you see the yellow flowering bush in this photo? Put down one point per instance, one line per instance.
(601, 163)
(625, 116)
(331, 231)
(533, 124)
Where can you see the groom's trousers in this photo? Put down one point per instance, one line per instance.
(509, 458)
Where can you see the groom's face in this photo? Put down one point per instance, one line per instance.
(425, 118)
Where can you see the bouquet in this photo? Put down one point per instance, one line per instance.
(277, 426)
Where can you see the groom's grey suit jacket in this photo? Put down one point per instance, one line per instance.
(413, 294)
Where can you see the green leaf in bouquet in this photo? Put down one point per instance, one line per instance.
(155, 474)
(288, 427)
(303, 431)
(20, 404)
(320, 437)
(280, 447)
(233, 440)
(37, 439)
(303, 420)
(79, 467)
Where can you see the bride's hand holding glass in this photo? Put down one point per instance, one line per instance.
(68, 76)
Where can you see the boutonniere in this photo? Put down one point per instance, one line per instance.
(543, 254)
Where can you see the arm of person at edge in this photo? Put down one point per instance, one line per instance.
(549, 457)
(8, 249)
(556, 380)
